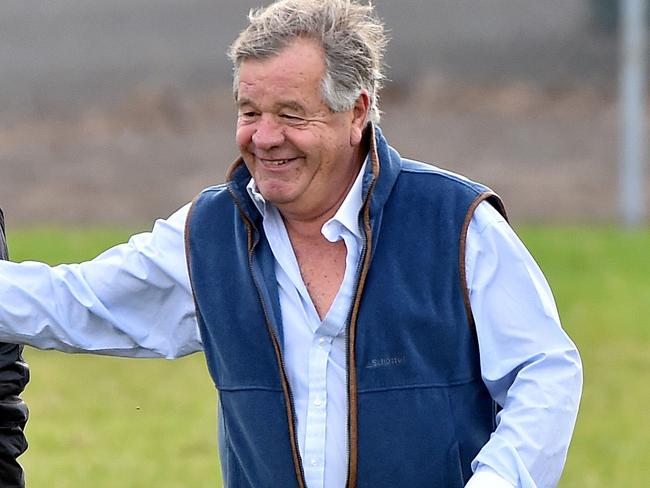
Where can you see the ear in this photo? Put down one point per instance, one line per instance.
(359, 118)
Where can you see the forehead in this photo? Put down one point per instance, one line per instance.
(297, 69)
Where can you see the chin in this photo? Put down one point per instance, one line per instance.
(276, 192)
(276, 197)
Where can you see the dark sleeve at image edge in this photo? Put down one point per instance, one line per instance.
(14, 375)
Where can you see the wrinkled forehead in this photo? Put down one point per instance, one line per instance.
(275, 46)
(295, 74)
(301, 62)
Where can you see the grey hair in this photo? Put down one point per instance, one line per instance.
(351, 35)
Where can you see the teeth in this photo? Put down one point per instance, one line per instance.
(276, 162)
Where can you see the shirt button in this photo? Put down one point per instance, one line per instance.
(318, 402)
(314, 461)
(322, 342)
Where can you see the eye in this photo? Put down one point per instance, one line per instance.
(248, 115)
(292, 119)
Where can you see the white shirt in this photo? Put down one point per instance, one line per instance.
(135, 300)
(314, 350)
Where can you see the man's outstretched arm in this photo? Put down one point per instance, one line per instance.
(133, 300)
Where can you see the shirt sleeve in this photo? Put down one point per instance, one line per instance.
(133, 300)
(486, 478)
(528, 363)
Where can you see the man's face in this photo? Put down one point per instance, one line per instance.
(304, 157)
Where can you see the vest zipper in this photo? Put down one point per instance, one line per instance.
(286, 388)
(350, 363)
(351, 479)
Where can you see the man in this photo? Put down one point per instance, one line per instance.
(368, 320)
(14, 376)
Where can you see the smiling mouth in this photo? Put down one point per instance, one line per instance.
(276, 163)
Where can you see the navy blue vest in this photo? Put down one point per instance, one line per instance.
(419, 411)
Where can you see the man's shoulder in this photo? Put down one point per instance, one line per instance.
(213, 190)
(210, 194)
(211, 201)
(434, 184)
(428, 174)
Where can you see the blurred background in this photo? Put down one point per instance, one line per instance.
(121, 111)
(113, 113)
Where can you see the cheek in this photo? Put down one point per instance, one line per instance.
(244, 135)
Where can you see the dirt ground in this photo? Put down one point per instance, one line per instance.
(550, 152)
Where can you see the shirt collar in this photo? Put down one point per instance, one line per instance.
(347, 216)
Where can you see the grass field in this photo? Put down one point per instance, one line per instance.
(104, 422)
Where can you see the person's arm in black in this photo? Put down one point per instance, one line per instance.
(14, 375)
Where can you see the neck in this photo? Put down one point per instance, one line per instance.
(309, 222)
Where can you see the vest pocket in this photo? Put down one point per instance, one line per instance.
(255, 437)
(455, 464)
(230, 474)
(407, 438)
(230, 471)
(412, 436)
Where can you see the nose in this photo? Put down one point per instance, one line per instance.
(268, 133)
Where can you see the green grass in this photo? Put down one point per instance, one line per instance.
(601, 281)
(105, 422)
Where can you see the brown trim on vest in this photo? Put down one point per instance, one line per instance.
(186, 239)
(295, 453)
(353, 434)
(288, 403)
(233, 166)
(286, 388)
(497, 203)
(284, 379)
